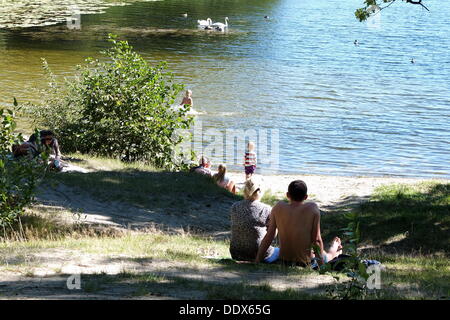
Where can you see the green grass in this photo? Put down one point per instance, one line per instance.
(156, 284)
(403, 218)
(271, 198)
(427, 277)
(406, 227)
(187, 250)
(96, 282)
(183, 248)
(420, 214)
(52, 223)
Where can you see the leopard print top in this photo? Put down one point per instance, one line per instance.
(249, 220)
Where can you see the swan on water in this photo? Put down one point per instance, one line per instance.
(204, 23)
(220, 26)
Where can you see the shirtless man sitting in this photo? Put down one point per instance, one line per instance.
(298, 225)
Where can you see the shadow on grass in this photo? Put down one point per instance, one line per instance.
(149, 286)
(152, 278)
(402, 219)
(32, 226)
(435, 283)
(230, 265)
(144, 188)
(347, 204)
(136, 198)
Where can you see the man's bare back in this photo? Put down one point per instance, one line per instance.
(298, 226)
(297, 229)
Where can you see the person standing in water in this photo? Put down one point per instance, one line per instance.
(187, 99)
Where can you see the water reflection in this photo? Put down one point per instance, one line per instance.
(340, 108)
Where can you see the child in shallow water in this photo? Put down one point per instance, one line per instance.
(187, 99)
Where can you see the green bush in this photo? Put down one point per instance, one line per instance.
(59, 110)
(19, 178)
(119, 107)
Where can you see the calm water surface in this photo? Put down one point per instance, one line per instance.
(339, 108)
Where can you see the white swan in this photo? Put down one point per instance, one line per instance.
(221, 26)
(204, 23)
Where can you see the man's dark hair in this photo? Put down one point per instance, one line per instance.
(297, 190)
(45, 133)
(42, 133)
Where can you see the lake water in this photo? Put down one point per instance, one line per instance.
(339, 108)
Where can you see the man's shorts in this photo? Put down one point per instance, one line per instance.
(274, 256)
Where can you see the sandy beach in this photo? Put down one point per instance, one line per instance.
(330, 192)
(333, 194)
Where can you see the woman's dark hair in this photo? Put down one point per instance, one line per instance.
(297, 190)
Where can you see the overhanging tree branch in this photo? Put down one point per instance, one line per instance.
(373, 7)
(417, 2)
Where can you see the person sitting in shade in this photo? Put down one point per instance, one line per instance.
(223, 180)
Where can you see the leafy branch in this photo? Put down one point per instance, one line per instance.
(19, 177)
(372, 7)
(352, 265)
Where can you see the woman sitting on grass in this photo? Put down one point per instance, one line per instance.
(249, 221)
(223, 181)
